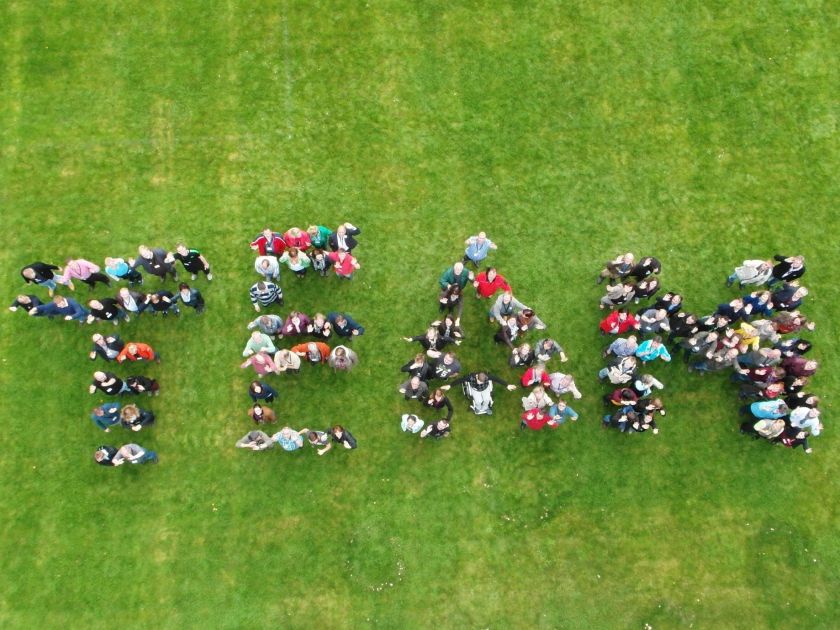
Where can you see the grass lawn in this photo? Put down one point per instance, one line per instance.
(702, 133)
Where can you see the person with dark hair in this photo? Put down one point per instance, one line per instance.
(787, 269)
(118, 269)
(154, 261)
(27, 302)
(419, 367)
(60, 306)
(136, 418)
(788, 298)
(296, 324)
(478, 388)
(652, 349)
(647, 266)
(447, 366)
(83, 270)
(105, 416)
(262, 415)
(438, 429)
(193, 260)
(343, 238)
(191, 297)
(617, 269)
(547, 348)
(296, 260)
(42, 274)
(108, 383)
(670, 301)
(265, 294)
(320, 261)
(791, 322)
(488, 282)
(619, 370)
(256, 441)
(319, 440)
(162, 302)
(760, 303)
(645, 289)
(139, 384)
(342, 436)
(106, 310)
(134, 454)
(621, 397)
(414, 389)
(654, 321)
(104, 455)
(617, 294)
(269, 243)
(734, 310)
(793, 347)
(344, 325)
(432, 342)
(410, 423)
(439, 400)
(451, 300)
(799, 366)
(260, 390)
(107, 348)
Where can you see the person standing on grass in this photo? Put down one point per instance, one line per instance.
(106, 416)
(478, 387)
(106, 347)
(260, 390)
(314, 351)
(268, 267)
(344, 325)
(134, 454)
(419, 367)
(162, 302)
(154, 261)
(262, 415)
(343, 358)
(108, 383)
(478, 247)
(271, 325)
(488, 282)
(438, 429)
(789, 268)
(83, 270)
(751, 272)
(343, 239)
(136, 351)
(414, 389)
(265, 294)
(256, 441)
(193, 260)
(269, 243)
(319, 236)
(409, 423)
(297, 239)
(119, 269)
(60, 306)
(342, 436)
(319, 327)
(27, 302)
(104, 455)
(288, 439)
(296, 260)
(132, 302)
(261, 362)
(319, 440)
(136, 418)
(286, 361)
(439, 400)
(343, 263)
(106, 310)
(296, 324)
(258, 342)
(191, 297)
(42, 274)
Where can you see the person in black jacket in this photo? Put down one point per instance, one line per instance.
(419, 367)
(438, 429)
(342, 436)
(342, 238)
(478, 387)
(190, 297)
(106, 347)
(439, 400)
(108, 383)
(105, 309)
(41, 274)
(162, 302)
(647, 266)
(789, 268)
(155, 262)
(193, 260)
(104, 455)
(135, 418)
(258, 390)
(26, 302)
(142, 385)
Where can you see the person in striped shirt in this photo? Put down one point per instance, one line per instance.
(265, 294)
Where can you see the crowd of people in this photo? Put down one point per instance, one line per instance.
(127, 302)
(432, 372)
(308, 336)
(754, 336)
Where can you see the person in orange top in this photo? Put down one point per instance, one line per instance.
(488, 282)
(314, 351)
(136, 351)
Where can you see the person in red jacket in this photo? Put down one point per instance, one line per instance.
(295, 237)
(488, 282)
(618, 323)
(535, 375)
(136, 351)
(269, 243)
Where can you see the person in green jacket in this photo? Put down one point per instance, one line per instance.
(319, 236)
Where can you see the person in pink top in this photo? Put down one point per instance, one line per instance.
(83, 270)
(295, 237)
(344, 263)
(261, 362)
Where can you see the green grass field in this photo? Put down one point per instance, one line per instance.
(702, 133)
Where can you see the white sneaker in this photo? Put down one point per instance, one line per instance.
(209, 276)
(194, 276)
